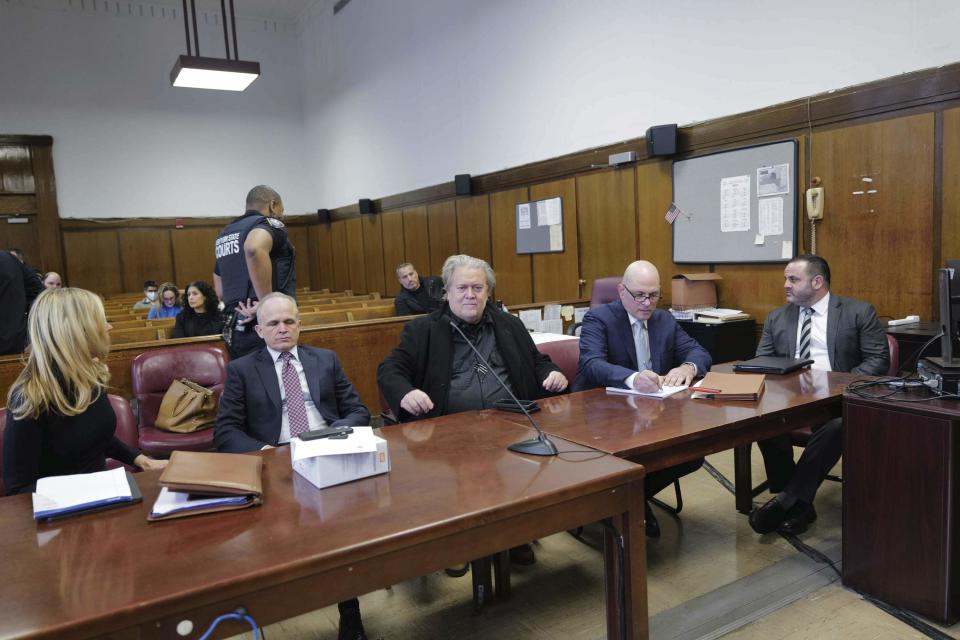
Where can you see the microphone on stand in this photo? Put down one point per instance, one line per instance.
(539, 446)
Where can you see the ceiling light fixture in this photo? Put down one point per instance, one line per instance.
(225, 74)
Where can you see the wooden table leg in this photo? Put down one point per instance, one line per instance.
(628, 608)
(742, 478)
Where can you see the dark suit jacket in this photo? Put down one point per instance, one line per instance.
(608, 355)
(249, 414)
(424, 359)
(855, 340)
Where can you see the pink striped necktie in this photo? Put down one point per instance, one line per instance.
(296, 408)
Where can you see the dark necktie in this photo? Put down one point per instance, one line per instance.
(804, 349)
(296, 408)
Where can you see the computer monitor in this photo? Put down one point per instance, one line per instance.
(948, 291)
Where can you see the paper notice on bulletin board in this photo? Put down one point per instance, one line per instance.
(735, 204)
(540, 226)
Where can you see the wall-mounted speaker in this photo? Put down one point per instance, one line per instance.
(662, 140)
(323, 215)
(462, 183)
(366, 205)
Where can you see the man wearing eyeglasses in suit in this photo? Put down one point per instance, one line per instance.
(630, 343)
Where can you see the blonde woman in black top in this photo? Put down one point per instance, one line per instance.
(59, 420)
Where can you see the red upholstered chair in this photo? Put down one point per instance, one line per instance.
(565, 354)
(153, 372)
(126, 429)
(604, 291)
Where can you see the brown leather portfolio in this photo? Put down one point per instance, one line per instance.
(730, 386)
(213, 474)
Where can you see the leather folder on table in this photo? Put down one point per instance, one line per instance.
(772, 364)
(197, 482)
(730, 386)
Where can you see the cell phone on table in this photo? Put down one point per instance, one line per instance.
(336, 433)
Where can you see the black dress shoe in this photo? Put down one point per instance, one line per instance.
(351, 628)
(799, 517)
(651, 525)
(522, 555)
(767, 518)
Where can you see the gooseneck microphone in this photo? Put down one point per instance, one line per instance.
(539, 446)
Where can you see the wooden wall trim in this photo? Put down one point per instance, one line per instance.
(924, 90)
(103, 224)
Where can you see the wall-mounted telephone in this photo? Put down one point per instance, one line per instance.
(815, 203)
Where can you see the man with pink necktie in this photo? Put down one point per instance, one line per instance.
(282, 390)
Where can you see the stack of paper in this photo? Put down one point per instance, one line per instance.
(716, 316)
(663, 392)
(60, 496)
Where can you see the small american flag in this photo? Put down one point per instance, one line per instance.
(672, 213)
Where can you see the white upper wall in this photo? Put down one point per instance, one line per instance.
(393, 95)
(126, 143)
(402, 94)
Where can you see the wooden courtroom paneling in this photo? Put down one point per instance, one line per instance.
(608, 224)
(556, 275)
(18, 204)
(373, 253)
(93, 261)
(338, 245)
(361, 346)
(193, 257)
(48, 214)
(654, 195)
(23, 236)
(514, 272)
(393, 252)
(321, 260)
(145, 254)
(879, 245)
(16, 170)
(473, 227)
(442, 225)
(950, 228)
(416, 238)
(299, 235)
(355, 255)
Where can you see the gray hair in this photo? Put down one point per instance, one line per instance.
(274, 296)
(261, 196)
(467, 262)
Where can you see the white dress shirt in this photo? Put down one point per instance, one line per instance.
(314, 418)
(818, 334)
(628, 383)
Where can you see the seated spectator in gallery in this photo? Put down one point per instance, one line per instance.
(51, 280)
(169, 304)
(149, 295)
(201, 315)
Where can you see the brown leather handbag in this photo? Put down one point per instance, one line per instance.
(186, 407)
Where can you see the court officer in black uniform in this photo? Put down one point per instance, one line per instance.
(254, 257)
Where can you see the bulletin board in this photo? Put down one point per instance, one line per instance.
(737, 206)
(540, 226)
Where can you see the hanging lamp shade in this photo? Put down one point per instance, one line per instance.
(198, 72)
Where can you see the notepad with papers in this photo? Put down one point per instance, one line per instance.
(197, 482)
(61, 496)
(664, 392)
(729, 386)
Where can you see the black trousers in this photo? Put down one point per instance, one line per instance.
(801, 480)
(657, 481)
(245, 342)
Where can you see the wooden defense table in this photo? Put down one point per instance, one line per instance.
(454, 493)
(662, 433)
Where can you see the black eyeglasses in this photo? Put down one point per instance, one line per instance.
(643, 297)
